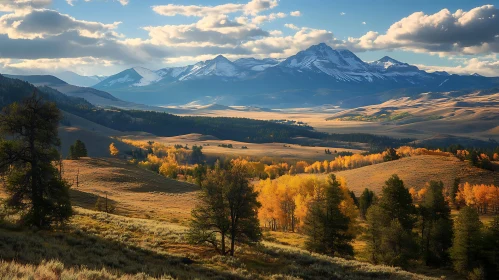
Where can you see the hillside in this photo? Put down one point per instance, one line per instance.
(416, 171)
(102, 246)
(137, 192)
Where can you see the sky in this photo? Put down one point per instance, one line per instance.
(103, 37)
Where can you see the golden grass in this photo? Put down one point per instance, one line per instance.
(96, 245)
(416, 171)
(279, 151)
(137, 192)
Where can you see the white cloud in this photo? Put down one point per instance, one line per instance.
(462, 32)
(364, 23)
(22, 5)
(295, 14)
(486, 66)
(253, 7)
(342, 13)
(44, 23)
(122, 2)
(291, 26)
(270, 17)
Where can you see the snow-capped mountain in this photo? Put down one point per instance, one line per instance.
(79, 80)
(318, 74)
(254, 64)
(391, 67)
(217, 67)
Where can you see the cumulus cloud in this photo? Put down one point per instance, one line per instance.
(122, 2)
(291, 26)
(251, 8)
(364, 23)
(486, 66)
(20, 5)
(464, 32)
(33, 37)
(269, 17)
(43, 23)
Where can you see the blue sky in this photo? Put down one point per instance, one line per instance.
(106, 36)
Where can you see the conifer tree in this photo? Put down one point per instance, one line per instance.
(390, 237)
(435, 225)
(33, 184)
(365, 201)
(467, 245)
(227, 212)
(326, 226)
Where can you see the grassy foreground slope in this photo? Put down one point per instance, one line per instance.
(138, 193)
(416, 171)
(102, 246)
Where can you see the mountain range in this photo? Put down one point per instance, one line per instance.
(316, 76)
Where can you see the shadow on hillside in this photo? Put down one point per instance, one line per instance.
(77, 249)
(83, 199)
(149, 181)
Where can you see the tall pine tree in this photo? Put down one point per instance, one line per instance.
(435, 225)
(227, 212)
(326, 226)
(33, 183)
(467, 243)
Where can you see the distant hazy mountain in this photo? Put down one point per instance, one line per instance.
(316, 76)
(78, 80)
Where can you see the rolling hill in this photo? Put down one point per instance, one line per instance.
(416, 171)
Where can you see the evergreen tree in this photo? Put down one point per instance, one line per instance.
(390, 154)
(453, 191)
(365, 201)
(197, 154)
(33, 183)
(435, 225)
(491, 262)
(326, 226)
(77, 150)
(466, 247)
(80, 148)
(390, 225)
(397, 202)
(228, 208)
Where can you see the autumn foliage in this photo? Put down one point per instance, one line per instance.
(285, 201)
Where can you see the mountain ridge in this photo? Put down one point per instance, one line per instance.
(317, 75)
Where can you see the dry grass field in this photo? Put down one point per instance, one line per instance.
(137, 192)
(272, 150)
(470, 115)
(102, 246)
(416, 171)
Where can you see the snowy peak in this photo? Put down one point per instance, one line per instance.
(254, 64)
(387, 62)
(323, 57)
(148, 76)
(219, 66)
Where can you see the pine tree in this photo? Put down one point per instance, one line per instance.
(77, 150)
(227, 212)
(435, 225)
(454, 190)
(80, 149)
(491, 251)
(33, 183)
(390, 237)
(397, 202)
(466, 247)
(365, 201)
(326, 226)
